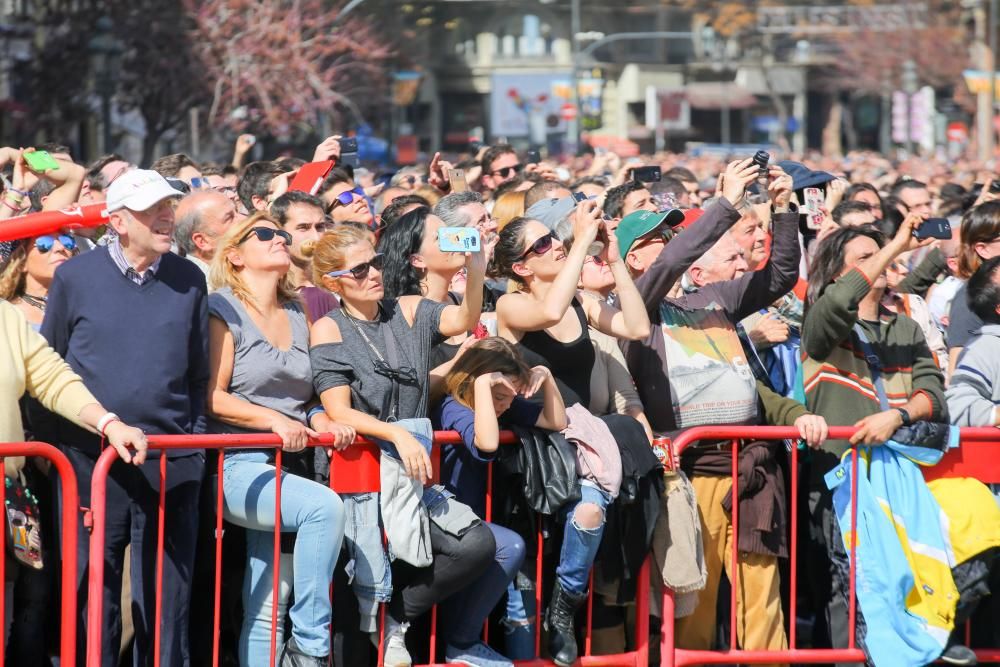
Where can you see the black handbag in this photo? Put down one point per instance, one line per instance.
(546, 464)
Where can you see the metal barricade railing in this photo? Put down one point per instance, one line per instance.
(966, 461)
(70, 507)
(352, 470)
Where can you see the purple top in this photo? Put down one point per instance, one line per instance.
(318, 302)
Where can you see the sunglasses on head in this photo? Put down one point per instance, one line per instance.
(45, 243)
(360, 272)
(505, 171)
(200, 183)
(266, 234)
(345, 198)
(539, 247)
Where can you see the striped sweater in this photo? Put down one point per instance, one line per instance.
(836, 377)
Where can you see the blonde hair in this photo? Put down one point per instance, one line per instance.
(510, 205)
(330, 252)
(13, 276)
(224, 274)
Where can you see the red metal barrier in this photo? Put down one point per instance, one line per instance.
(70, 503)
(353, 470)
(966, 461)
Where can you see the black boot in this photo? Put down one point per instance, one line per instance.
(291, 656)
(559, 623)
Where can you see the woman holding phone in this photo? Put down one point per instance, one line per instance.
(548, 319)
(370, 364)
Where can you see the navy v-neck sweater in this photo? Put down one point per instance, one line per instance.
(141, 350)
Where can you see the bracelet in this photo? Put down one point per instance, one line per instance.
(14, 196)
(315, 410)
(105, 421)
(16, 209)
(20, 192)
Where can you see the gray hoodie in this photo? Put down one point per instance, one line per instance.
(974, 390)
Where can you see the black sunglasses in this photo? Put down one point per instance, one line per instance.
(266, 234)
(360, 272)
(541, 246)
(505, 171)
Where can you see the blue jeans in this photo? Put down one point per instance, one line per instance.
(316, 515)
(465, 612)
(579, 548)
(368, 564)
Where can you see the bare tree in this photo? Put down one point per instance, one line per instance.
(275, 63)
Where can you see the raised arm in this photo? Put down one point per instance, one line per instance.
(462, 318)
(631, 321)
(829, 320)
(520, 312)
(682, 251)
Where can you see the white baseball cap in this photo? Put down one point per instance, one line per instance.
(139, 190)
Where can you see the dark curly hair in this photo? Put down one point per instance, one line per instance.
(398, 241)
(509, 249)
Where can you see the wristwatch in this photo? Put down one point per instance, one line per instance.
(905, 415)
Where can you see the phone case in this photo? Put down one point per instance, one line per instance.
(311, 176)
(812, 201)
(458, 239)
(40, 161)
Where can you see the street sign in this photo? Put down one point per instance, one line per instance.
(567, 111)
(958, 132)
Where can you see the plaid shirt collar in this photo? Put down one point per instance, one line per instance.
(118, 256)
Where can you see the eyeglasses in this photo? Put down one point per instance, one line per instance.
(45, 243)
(200, 183)
(360, 272)
(540, 246)
(266, 234)
(596, 259)
(345, 198)
(505, 171)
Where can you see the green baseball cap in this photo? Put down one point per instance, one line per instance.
(636, 225)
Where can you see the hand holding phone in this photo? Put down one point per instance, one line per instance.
(40, 161)
(933, 228)
(458, 239)
(456, 178)
(650, 174)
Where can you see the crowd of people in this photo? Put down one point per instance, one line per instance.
(603, 307)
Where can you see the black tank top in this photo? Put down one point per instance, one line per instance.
(571, 363)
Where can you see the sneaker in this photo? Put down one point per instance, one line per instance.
(957, 654)
(292, 656)
(477, 655)
(396, 653)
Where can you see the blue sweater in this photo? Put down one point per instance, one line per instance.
(141, 350)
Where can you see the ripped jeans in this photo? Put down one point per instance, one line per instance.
(579, 547)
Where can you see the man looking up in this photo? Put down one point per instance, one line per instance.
(202, 218)
(132, 320)
(301, 215)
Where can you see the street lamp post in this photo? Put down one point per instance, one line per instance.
(909, 81)
(105, 53)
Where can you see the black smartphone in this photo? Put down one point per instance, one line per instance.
(995, 187)
(933, 228)
(532, 157)
(647, 174)
(348, 152)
